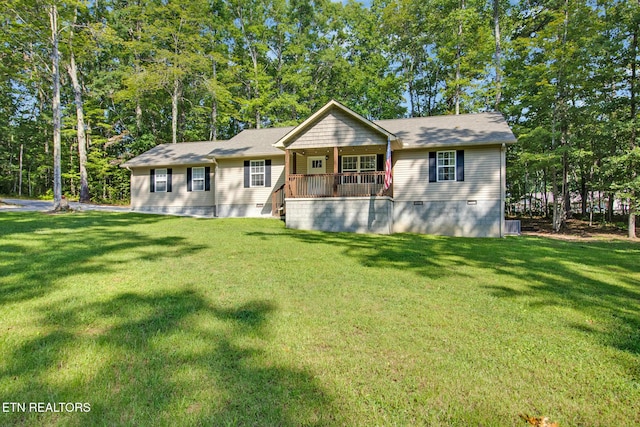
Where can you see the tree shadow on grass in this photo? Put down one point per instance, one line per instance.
(599, 278)
(162, 359)
(40, 251)
(424, 255)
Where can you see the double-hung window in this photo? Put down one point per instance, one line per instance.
(368, 164)
(358, 164)
(446, 165)
(257, 171)
(160, 180)
(349, 165)
(197, 179)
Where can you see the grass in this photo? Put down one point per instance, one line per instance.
(158, 320)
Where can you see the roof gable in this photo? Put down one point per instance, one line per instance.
(335, 125)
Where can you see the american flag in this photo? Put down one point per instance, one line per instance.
(388, 179)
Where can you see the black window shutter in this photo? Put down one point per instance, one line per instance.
(267, 173)
(460, 165)
(247, 174)
(339, 164)
(207, 178)
(433, 172)
(380, 162)
(152, 180)
(189, 179)
(169, 170)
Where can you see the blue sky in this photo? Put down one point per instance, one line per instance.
(365, 2)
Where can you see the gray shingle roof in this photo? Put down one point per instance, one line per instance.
(443, 131)
(248, 143)
(251, 142)
(418, 132)
(184, 153)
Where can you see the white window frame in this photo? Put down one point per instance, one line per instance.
(160, 177)
(350, 159)
(197, 183)
(373, 160)
(360, 159)
(257, 173)
(446, 163)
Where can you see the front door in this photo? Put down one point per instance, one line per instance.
(316, 165)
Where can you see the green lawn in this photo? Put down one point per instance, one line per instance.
(177, 321)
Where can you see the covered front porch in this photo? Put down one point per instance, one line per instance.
(332, 172)
(335, 172)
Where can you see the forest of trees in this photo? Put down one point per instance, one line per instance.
(88, 84)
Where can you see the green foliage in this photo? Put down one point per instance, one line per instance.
(570, 94)
(229, 64)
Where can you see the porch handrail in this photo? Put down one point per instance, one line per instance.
(346, 184)
(277, 201)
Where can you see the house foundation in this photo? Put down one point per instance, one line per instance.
(350, 214)
(471, 218)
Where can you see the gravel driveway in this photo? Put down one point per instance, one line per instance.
(21, 205)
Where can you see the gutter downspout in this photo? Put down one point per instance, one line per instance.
(503, 186)
(213, 161)
(215, 188)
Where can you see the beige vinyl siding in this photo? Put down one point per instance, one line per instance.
(337, 129)
(230, 188)
(481, 176)
(142, 197)
(302, 162)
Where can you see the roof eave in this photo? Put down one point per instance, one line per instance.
(456, 144)
(214, 158)
(195, 162)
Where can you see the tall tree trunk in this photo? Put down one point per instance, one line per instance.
(411, 91)
(562, 205)
(213, 131)
(498, 55)
(558, 219)
(565, 181)
(253, 52)
(82, 137)
(545, 196)
(20, 171)
(137, 60)
(633, 101)
(174, 110)
(57, 117)
(557, 190)
(72, 183)
(611, 197)
(213, 128)
(584, 193)
(458, 61)
(138, 116)
(256, 88)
